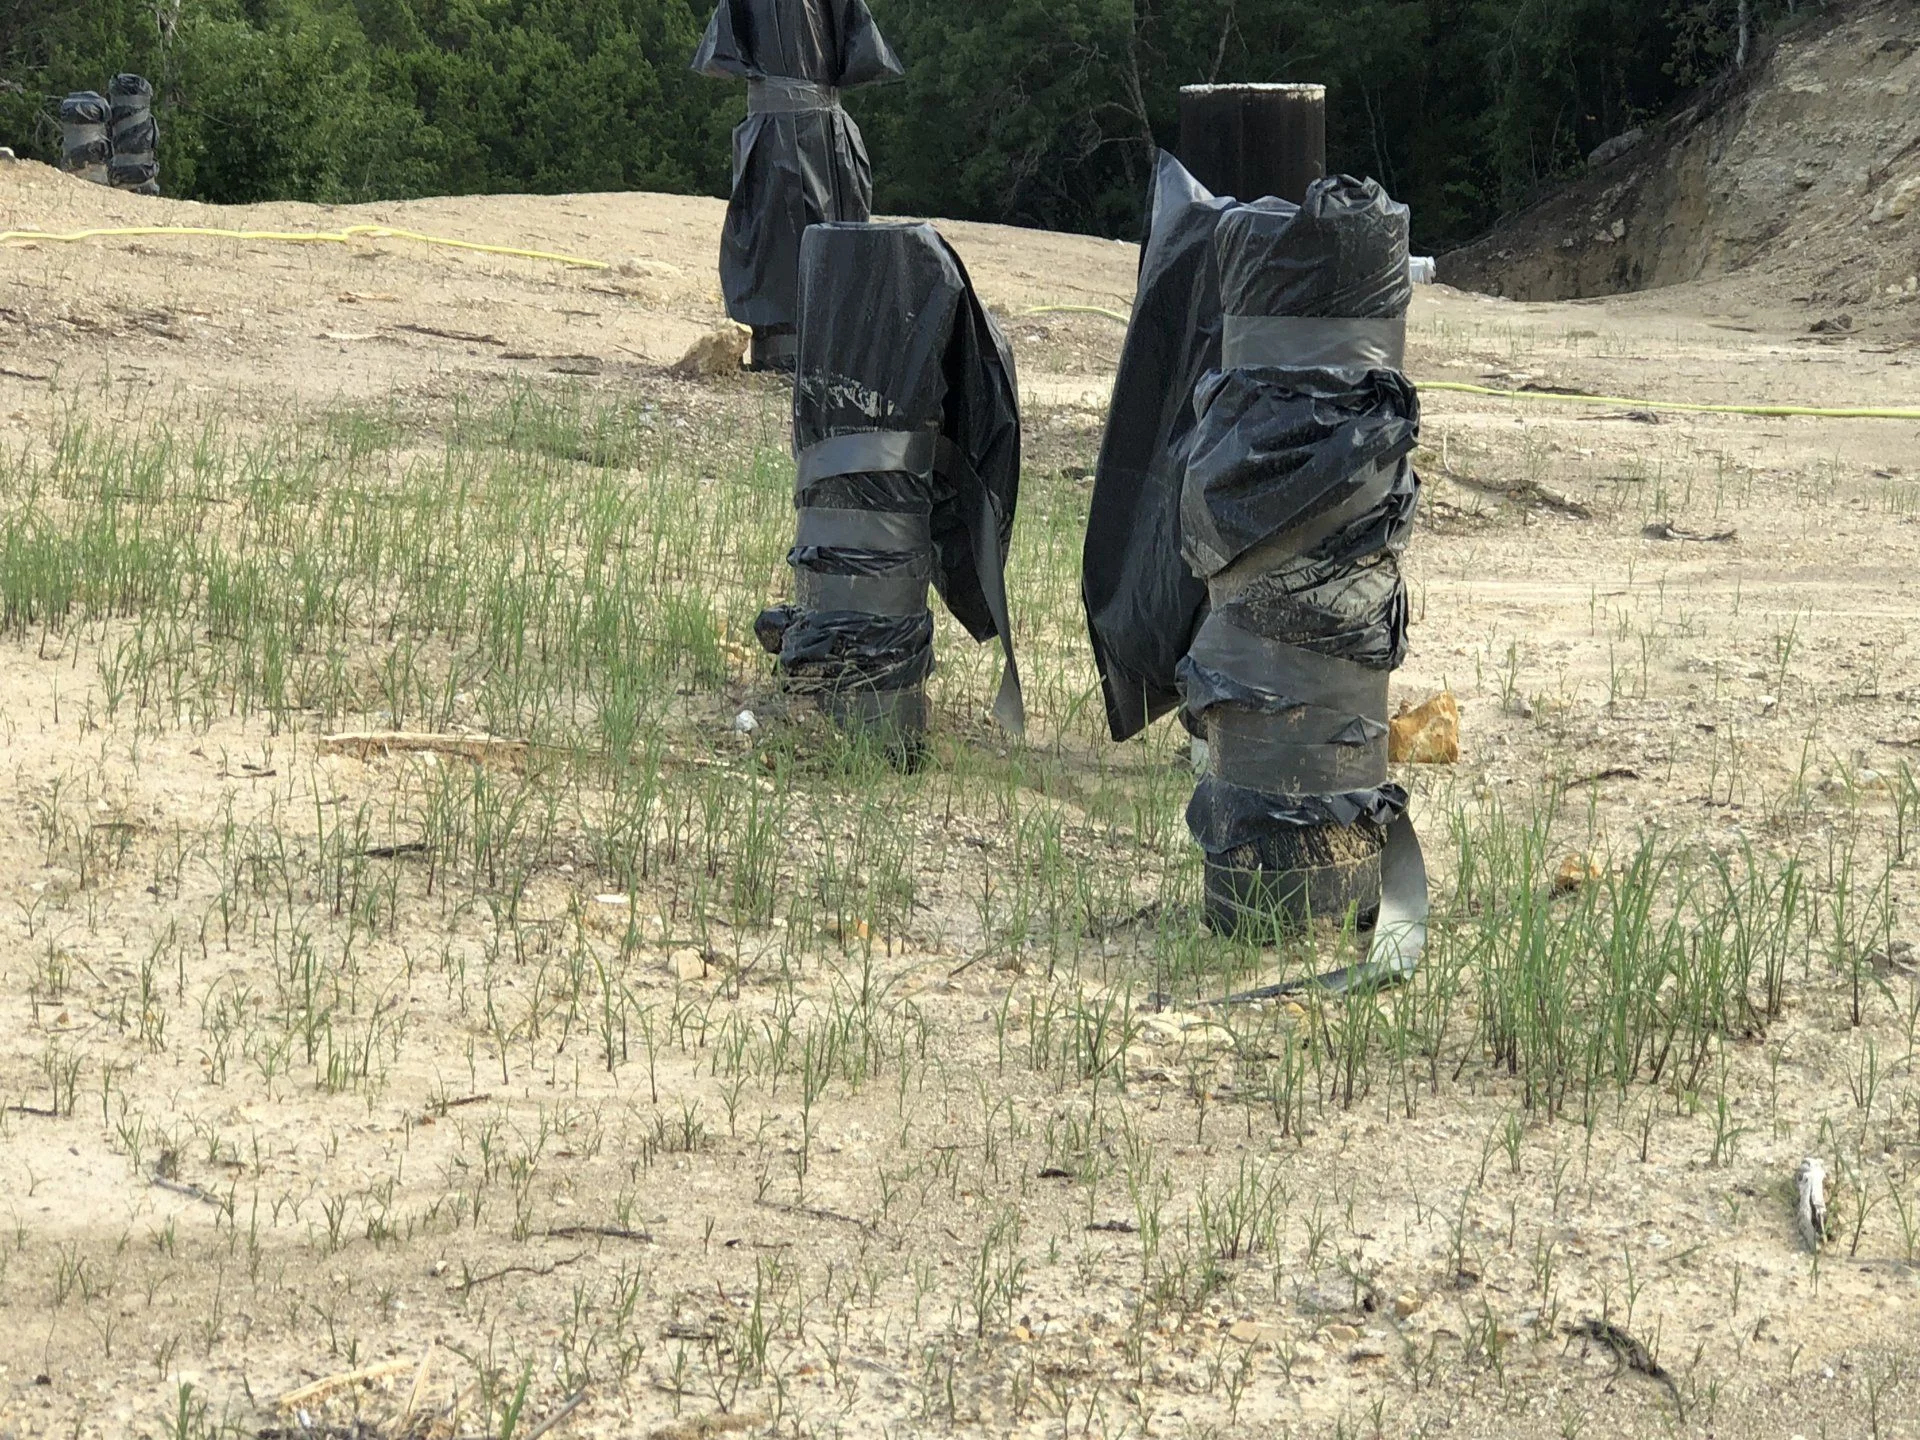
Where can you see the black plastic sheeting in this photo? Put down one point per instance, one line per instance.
(798, 158)
(894, 342)
(84, 117)
(1329, 257)
(136, 137)
(1225, 817)
(1299, 498)
(1143, 604)
(832, 650)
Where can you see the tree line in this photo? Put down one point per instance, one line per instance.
(1035, 112)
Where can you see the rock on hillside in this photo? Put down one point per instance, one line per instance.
(1804, 175)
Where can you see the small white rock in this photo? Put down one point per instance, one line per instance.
(746, 723)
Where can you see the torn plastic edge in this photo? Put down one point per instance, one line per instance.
(990, 564)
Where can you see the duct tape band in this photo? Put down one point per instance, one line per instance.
(1231, 666)
(990, 566)
(901, 594)
(1375, 488)
(871, 452)
(1399, 936)
(85, 145)
(1296, 342)
(897, 531)
(1282, 753)
(777, 95)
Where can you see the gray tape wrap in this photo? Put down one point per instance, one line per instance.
(896, 531)
(777, 95)
(1337, 694)
(1294, 342)
(871, 452)
(1288, 754)
(899, 592)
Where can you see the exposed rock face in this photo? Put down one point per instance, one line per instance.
(1804, 171)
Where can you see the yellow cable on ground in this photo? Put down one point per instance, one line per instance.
(297, 237)
(1078, 310)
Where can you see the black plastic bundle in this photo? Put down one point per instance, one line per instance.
(136, 137)
(1298, 499)
(85, 145)
(906, 429)
(798, 159)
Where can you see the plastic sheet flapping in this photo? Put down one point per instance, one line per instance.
(1143, 604)
(798, 158)
(894, 342)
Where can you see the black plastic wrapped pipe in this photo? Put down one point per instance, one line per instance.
(85, 144)
(136, 137)
(1254, 140)
(798, 158)
(1298, 500)
(906, 435)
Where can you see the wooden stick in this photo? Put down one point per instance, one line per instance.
(481, 749)
(332, 1383)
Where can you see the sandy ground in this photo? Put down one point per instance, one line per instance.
(1709, 612)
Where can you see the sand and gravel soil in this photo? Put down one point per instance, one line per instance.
(1689, 626)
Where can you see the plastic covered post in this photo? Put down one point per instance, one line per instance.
(1255, 140)
(906, 434)
(85, 144)
(798, 157)
(1298, 499)
(136, 136)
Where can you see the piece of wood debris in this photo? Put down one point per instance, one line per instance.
(705, 1426)
(1667, 530)
(465, 337)
(1630, 1354)
(481, 749)
(327, 1385)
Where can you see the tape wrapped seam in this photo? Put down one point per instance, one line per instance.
(1225, 817)
(826, 651)
(780, 95)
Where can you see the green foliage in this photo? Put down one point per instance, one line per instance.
(1038, 112)
(346, 100)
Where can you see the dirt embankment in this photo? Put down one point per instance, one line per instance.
(1800, 183)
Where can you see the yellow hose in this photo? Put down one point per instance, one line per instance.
(581, 262)
(297, 237)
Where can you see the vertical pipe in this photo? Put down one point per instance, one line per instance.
(85, 146)
(1250, 141)
(136, 138)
